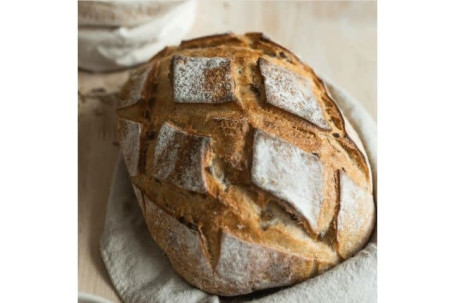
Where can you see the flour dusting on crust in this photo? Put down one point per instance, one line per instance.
(291, 92)
(356, 216)
(179, 158)
(176, 239)
(289, 173)
(130, 133)
(137, 83)
(242, 266)
(202, 80)
(242, 263)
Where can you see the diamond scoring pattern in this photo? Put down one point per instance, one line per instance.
(291, 92)
(179, 158)
(202, 80)
(289, 173)
(278, 167)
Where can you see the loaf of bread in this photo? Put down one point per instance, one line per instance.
(247, 173)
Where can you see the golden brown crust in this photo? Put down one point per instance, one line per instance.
(211, 41)
(228, 190)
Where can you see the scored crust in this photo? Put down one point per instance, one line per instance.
(247, 173)
(130, 132)
(242, 267)
(179, 158)
(354, 218)
(202, 80)
(291, 92)
(289, 173)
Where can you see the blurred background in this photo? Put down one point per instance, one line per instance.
(337, 39)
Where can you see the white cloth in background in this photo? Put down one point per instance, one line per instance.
(141, 272)
(116, 35)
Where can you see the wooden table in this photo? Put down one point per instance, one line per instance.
(338, 39)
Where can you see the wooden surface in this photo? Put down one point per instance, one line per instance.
(338, 39)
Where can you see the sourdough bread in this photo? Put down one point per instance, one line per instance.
(247, 173)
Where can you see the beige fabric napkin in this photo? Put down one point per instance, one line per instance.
(141, 272)
(114, 35)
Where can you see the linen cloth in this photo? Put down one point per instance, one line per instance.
(114, 35)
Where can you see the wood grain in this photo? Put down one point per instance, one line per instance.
(338, 39)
